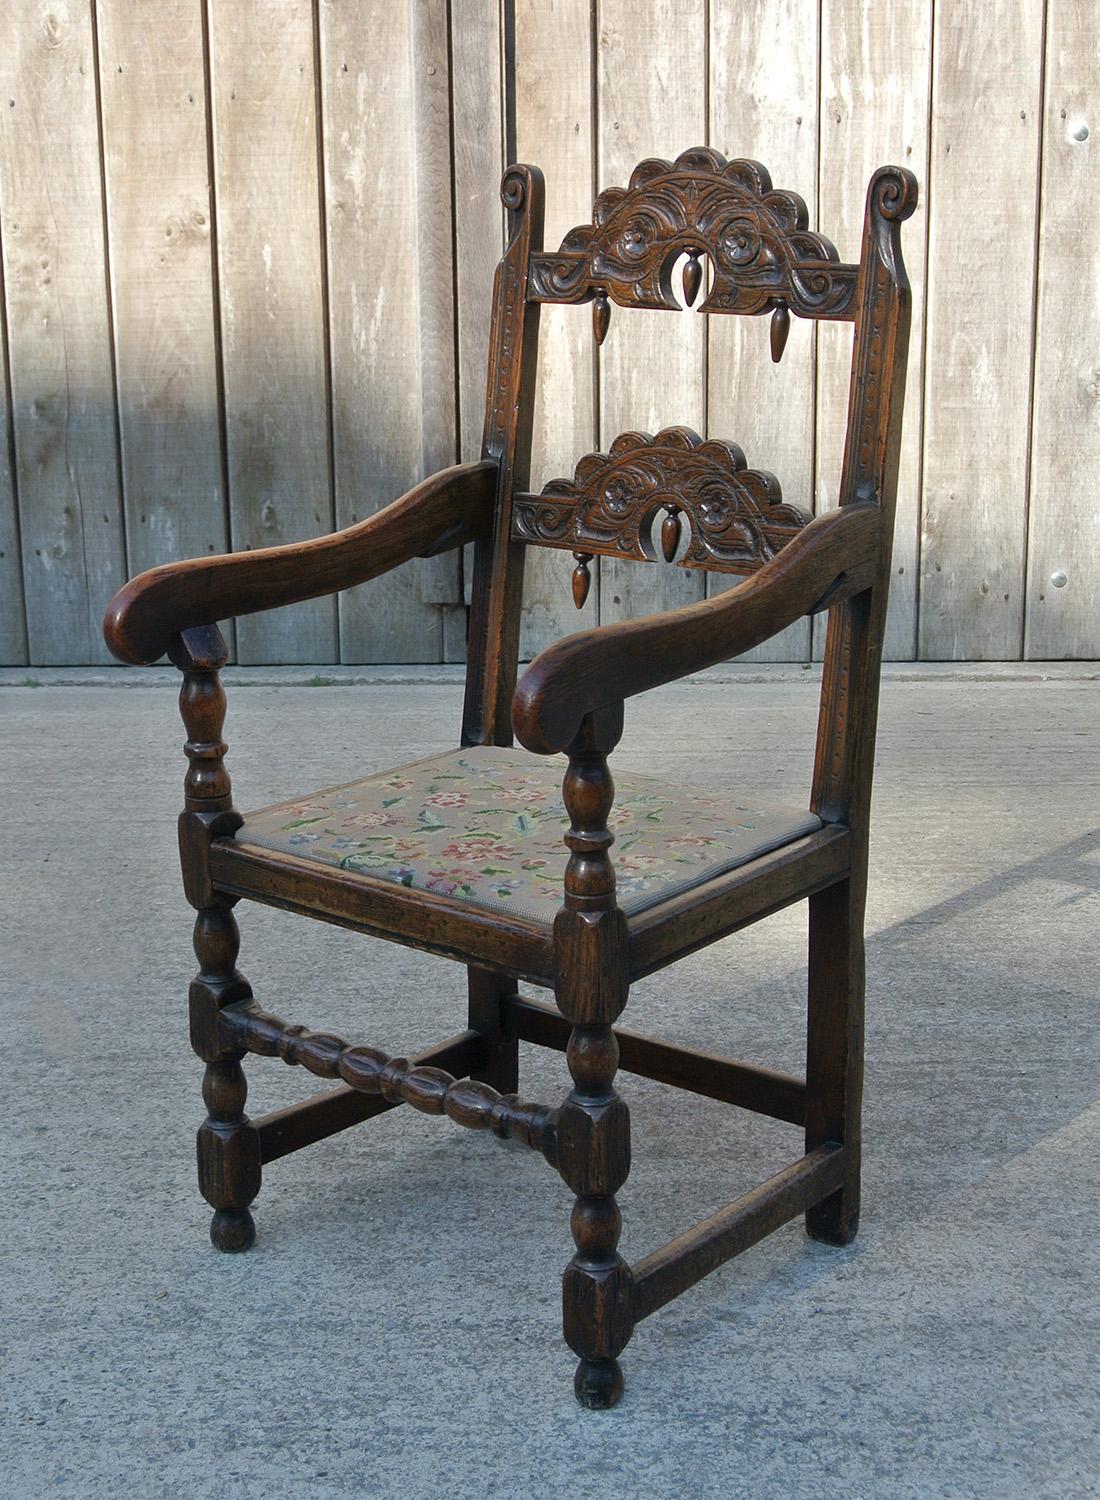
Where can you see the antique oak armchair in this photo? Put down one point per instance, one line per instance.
(465, 854)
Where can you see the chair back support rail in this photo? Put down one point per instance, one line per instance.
(745, 248)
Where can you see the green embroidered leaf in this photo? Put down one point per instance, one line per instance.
(484, 833)
(304, 822)
(392, 801)
(363, 862)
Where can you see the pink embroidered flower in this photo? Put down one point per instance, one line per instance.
(518, 795)
(636, 862)
(303, 809)
(398, 783)
(371, 820)
(476, 849)
(448, 799)
(693, 840)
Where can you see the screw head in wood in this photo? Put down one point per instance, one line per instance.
(1058, 580)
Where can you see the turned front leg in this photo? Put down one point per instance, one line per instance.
(228, 1144)
(594, 1123)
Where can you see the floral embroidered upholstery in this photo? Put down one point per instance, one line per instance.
(484, 825)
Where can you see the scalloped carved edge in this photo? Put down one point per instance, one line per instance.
(761, 252)
(738, 518)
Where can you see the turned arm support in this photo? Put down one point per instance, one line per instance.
(834, 558)
(452, 507)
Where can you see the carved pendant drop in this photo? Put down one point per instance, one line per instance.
(781, 327)
(693, 278)
(670, 534)
(582, 578)
(601, 316)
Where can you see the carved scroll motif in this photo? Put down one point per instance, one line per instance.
(737, 516)
(761, 253)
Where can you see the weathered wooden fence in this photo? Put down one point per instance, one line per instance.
(247, 248)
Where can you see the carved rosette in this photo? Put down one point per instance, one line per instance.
(737, 516)
(762, 255)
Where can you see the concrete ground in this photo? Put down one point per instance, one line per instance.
(395, 1331)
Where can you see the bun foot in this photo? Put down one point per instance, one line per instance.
(232, 1230)
(598, 1383)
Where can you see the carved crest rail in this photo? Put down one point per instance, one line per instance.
(763, 257)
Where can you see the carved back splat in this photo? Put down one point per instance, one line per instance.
(737, 516)
(763, 257)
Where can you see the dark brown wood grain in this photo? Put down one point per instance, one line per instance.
(762, 253)
(697, 1252)
(322, 1115)
(690, 920)
(228, 1144)
(590, 986)
(835, 556)
(612, 504)
(760, 1089)
(419, 919)
(497, 595)
(450, 508)
(638, 501)
(845, 757)
(423, 1086)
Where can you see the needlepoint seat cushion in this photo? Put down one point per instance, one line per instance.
(484, 825)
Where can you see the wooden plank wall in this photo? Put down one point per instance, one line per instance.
(245, 256)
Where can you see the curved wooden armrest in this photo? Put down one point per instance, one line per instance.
(452, 507)
(833, 558)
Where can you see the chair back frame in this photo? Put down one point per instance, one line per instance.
(762, 259)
